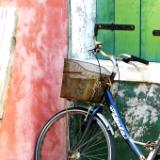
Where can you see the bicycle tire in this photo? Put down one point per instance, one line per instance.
(98, 143)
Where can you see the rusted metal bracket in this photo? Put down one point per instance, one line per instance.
(113, 27)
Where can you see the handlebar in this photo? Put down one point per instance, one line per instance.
(123, 57)
(134, 58)
(129, 58)
(112, 58)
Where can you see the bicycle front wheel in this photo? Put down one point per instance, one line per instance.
(63, 138)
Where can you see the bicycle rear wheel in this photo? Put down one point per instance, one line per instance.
(96, 144)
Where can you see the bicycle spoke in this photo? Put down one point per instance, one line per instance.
(88, 158)
(74, 123)
(88, 141)
(93, 157)
(93, 151)
(91, 134)
(92, 145)
(96, 142)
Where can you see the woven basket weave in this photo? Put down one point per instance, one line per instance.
(82, 81)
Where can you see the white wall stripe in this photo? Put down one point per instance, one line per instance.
(8, 21)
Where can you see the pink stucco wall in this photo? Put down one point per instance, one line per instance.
(36, 75)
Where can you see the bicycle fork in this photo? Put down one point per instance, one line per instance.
(121, 125)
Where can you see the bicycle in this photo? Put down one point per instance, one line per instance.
(87, 133)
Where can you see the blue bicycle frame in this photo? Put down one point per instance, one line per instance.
(121, 125)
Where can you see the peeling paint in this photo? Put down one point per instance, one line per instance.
(139, 115)
(30, 17)
(139, 104)
(141, 88)
(42, 1)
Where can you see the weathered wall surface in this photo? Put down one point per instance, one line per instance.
(139, 104)
(82, 20)
(36, 75)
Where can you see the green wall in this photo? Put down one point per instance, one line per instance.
(141, 13)
(139, 105)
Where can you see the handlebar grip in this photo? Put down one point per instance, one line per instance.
(134, 58)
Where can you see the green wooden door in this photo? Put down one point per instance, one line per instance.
(144, 14)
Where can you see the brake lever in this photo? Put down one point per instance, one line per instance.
(91, 50)
(95, 50)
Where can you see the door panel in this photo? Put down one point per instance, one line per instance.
(150, 20)
(105, 14)
(127, 12)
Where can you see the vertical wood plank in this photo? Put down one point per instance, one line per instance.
(105, 14)
(127, 12)
(150, 21)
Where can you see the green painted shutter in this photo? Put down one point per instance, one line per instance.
(150, 21)
(127, 12)
(105, 14)
(144, 14)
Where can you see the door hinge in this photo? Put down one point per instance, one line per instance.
(113, 27)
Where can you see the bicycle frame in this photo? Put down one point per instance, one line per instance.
(123, 129)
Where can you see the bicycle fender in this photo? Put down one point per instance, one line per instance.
(106, 123)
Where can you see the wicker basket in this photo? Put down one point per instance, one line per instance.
(82, 81)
